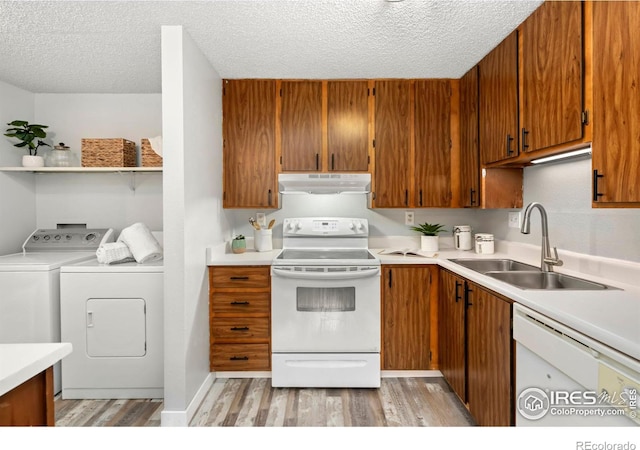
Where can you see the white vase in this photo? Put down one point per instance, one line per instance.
(32, 161)
(429, 243)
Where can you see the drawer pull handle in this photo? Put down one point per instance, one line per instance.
(239, 328)
(239, 358)
(239, 303)
(239, 278)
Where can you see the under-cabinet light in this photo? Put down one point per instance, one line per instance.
(561, 156)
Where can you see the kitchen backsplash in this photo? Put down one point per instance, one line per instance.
(564, 189)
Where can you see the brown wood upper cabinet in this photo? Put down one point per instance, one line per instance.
(616, 108)
(348, 126)
(249, 130)
(413, 143)
(393, 125)
(498, 80)
(432, 143)
(469, 156)
(552, 76)
(324, 126)
(301, 125)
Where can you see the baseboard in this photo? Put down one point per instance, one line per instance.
(409, 373)
(383, 374)
(248, 374)
(183, 418)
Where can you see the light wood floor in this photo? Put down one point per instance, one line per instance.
(253, 402)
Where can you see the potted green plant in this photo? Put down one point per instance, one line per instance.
(238, 244)
(30, 136)
(429, 238)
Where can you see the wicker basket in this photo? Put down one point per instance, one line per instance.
(108, 153)
(148, 157)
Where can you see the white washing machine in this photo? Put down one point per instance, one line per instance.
(113, 316)
(30, 283)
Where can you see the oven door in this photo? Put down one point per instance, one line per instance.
(325, 309)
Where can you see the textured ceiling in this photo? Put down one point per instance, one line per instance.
(114, 46)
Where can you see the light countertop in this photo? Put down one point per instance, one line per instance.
(20, 362)
(611, 316)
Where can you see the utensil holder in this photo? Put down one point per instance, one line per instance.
(262, 240)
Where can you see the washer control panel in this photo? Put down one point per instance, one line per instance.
(68, 239)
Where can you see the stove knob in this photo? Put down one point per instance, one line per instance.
(352, 226)
(57, 237)
(46, 237)
(359, 226)
(297, 226)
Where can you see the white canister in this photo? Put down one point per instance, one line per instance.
(462, 237)
(262, 240)
(484, 244)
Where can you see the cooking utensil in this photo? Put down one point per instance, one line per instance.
(254, 224)
(272, 222)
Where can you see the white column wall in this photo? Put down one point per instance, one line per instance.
(17, 190)
(193, 215)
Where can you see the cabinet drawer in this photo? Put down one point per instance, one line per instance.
(240, 357)
(238, 328)
(241, 303)
(240, 277)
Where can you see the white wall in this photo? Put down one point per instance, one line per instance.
(17, 190)
(382, 222)
(193, 215)
(564, 189)
(99, 200)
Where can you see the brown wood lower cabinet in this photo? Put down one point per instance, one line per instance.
(406, 317)
(476, 348)
(30, 403)
(239, 318)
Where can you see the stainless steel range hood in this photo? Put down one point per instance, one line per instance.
(324, 183)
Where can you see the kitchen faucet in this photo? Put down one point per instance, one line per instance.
(546, 260)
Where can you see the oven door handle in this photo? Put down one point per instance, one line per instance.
(285, 273)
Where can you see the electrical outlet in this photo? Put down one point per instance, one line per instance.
(408, 218)
(514, 219)
(261, 218)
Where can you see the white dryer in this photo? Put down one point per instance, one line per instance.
(113, 316)
(30, 284)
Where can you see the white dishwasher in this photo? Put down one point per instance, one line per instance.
(564, 378)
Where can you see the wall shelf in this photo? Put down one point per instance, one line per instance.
(80, 169)
(130, 172)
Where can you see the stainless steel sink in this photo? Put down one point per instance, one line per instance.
(494, 265)
(546, 280)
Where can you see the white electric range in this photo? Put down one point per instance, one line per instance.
(325, 305)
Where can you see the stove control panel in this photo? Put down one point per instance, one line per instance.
(333, 226)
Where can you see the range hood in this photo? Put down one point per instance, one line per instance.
(324, 183)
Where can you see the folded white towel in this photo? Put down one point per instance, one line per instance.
(143, 245)
(114, 253)
(156, 144)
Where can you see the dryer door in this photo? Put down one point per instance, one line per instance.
(116, 327)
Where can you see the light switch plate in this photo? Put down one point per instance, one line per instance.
(408, 218)
(514, 219)
(261, 218)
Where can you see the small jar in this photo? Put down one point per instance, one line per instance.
(61, 156)
(484, 244)
(462, 237)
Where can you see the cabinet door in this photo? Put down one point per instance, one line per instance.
(405, 343)
(348, 126)
(488, 358)
(432, 143)
(249, 172)
(451, 332)
(498, 73)
(469, 164)
(616, 109)
(552, 76)
(392, 143)
(301, 125)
